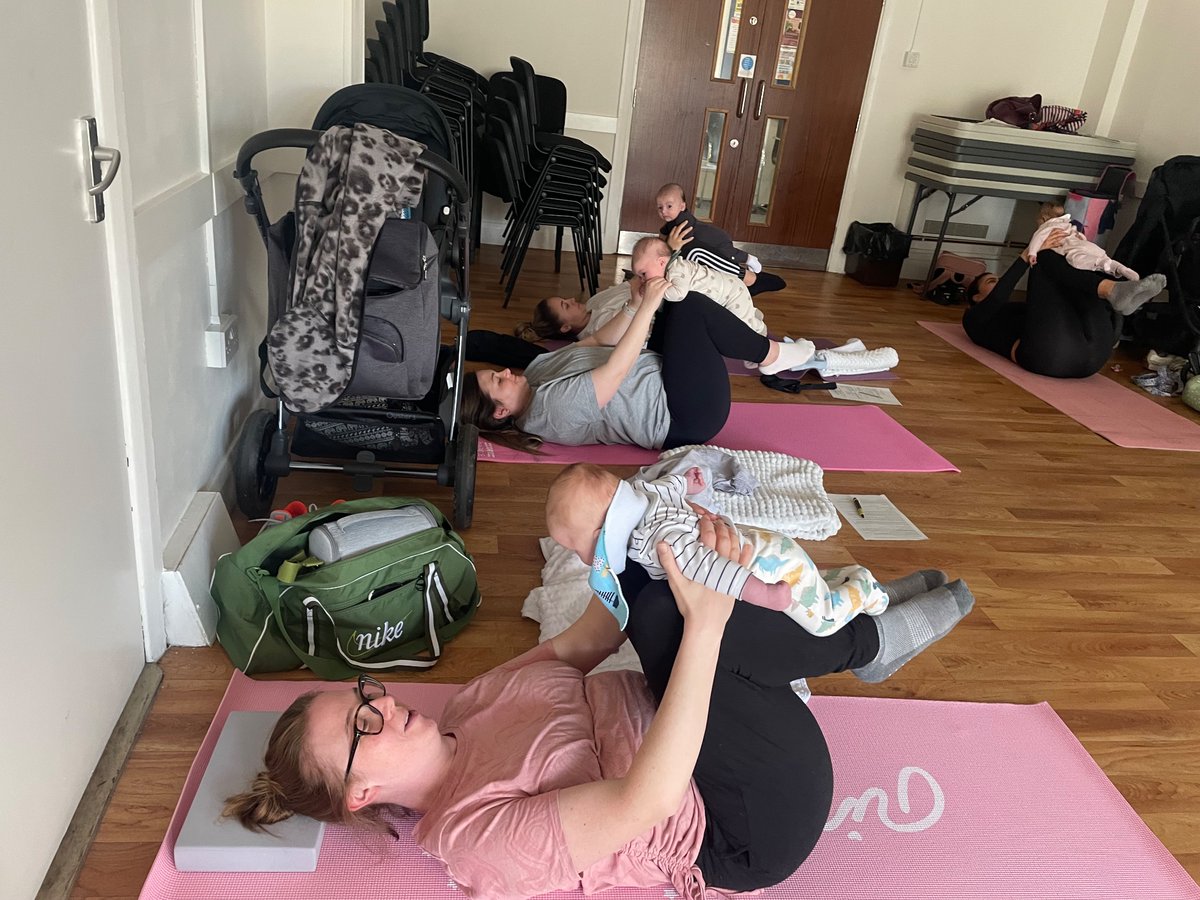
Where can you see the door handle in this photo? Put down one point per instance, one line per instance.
(758, 101)
(95, 180)
(742, 95)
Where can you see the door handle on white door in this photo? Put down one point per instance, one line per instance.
(758, 101)
(95, 180)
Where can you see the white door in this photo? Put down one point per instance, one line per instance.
(73, 640)
(184, 83)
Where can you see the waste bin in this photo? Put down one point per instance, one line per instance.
(875, 252)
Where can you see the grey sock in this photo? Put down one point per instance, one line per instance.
(901, 589)
(907, 629)
(1127, 297)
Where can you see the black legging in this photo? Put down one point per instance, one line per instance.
(694, 336)
(1065, 329)
(502, 349)
(764, 770)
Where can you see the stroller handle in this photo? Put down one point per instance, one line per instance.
(304, 138)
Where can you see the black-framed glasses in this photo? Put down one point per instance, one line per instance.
(367, 719)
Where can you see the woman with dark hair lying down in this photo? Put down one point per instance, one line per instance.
(674, 393)
(1069, 322)
(707, 771)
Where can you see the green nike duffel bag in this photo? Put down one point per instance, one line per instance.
(392, 605)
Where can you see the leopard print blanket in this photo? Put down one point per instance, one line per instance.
(353, 179)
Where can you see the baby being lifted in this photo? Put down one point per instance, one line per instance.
(606, 520)
(1079, 251)
(651, 258)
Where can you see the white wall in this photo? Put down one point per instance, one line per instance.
(1158, 105)
(971, 54)
(313, 47)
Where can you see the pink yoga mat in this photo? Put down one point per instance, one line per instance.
(932, 801)
(837, 438)
(1119, 414)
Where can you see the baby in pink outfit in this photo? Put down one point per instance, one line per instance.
(1079, 251)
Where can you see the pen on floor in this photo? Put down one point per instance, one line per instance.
(858, 508)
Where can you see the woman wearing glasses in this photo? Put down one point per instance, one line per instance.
(537, 779)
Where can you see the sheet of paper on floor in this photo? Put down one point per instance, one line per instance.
(863, 394)
(880, 521)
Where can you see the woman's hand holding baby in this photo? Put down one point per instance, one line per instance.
(653, 291)
(700, 606)
(717, 534)
(1054, 240)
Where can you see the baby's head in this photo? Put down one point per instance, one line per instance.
(1047, 211)
(650, 257)
(670, 201)
(576, 506)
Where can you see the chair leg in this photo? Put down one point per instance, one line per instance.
(558, 249)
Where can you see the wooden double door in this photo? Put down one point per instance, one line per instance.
(752, 106)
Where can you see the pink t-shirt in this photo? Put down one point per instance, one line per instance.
(522, 735)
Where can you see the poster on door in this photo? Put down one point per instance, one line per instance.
(789, 43)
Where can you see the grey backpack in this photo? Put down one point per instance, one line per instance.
(398, 339)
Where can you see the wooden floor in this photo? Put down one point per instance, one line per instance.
(1084, 557)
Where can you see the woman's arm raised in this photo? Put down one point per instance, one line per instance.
(610, 333)
(598, 818)
(607, 378)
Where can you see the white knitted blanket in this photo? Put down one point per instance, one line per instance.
(790, 497)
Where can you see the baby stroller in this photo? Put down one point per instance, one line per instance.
(1165, 237)
(359, 275)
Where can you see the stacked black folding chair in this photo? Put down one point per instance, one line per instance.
(396, 55)
(547, 178)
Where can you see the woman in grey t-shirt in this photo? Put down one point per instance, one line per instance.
(624, 395)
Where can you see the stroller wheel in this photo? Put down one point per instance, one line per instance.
(255, 488)
(464, 475)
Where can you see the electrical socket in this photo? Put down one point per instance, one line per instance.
(912, 59)
(221, 342)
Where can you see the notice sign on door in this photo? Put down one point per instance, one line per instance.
(745, 68)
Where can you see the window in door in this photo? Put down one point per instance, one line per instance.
(727, 39)
(769, 155)
(712, 141)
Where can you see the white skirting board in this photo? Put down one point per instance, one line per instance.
(204, 534)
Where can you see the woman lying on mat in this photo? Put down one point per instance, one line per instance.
(600, 321)
(1070, 320)
(597, 321)
(624, 395)
(538, 779)
(566, 318)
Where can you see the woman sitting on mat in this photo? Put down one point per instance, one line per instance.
(537, 779)
(624, 395)
(1070, 320)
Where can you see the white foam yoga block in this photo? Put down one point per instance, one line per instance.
(209, 843)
